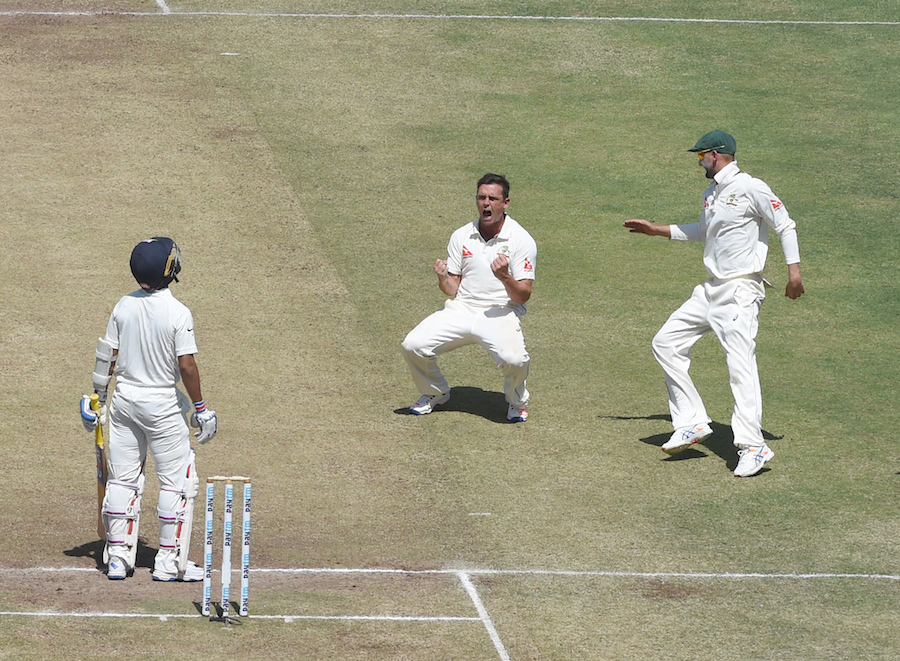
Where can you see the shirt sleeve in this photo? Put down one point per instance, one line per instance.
(524, 261)
(112, 331)
(454, 254)
(185, 343)
(790, 246)
(685, 232)
(775, 214)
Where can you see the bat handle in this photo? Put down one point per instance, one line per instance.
(95, 406)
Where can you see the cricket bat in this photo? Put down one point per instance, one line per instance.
(100, 446)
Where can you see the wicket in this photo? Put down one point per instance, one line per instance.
(225, 603)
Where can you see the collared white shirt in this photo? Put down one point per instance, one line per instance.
(470, 256)
(738, 211)
(150, 330)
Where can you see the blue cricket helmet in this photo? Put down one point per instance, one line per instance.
(155, 263)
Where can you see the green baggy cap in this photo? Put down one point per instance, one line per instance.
(717, 141)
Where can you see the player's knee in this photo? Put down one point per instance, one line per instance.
(170, 499)
(513, 360)
(659, 344)
(413, 345)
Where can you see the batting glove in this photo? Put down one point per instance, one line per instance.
(206, 420)
(89, 417)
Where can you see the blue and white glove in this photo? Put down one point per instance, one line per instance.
(206, 420)
(89, 417)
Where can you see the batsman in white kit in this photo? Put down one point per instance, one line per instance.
(489, 272)
(738, 211)
(149, 346)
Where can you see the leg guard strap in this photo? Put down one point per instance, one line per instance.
(176, 513)
(122, 501)
(191, 490)
(168, 544)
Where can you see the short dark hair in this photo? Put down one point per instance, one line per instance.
(491, 178)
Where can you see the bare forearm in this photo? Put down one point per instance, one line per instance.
(190, 376)
(519, 290)
(449, 284)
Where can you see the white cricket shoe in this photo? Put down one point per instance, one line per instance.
(752, 460)
(426, 403)
(117, 569)
(685, 437)
(191, 574)
(517, 413)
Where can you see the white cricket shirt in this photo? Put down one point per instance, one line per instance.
(470, 256)
(150, 330)
(738, 211)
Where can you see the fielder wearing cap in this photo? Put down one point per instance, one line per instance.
(717, 141)
(738, 212)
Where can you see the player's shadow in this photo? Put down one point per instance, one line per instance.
(469, 399)
(721, 443)
(658, 416)
(94, 550)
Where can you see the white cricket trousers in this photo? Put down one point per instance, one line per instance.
(142, 419)
(497, 329)
(730, 309)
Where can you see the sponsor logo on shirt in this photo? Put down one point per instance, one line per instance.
(528, 266)
(466, 252)
(777, 204)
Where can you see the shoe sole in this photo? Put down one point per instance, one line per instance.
(685, 446)
(766, 459)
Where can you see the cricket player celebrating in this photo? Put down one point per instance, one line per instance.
(149, 346)
(489, 272)
(738, 211)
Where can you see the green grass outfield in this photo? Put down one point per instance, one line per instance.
(311, 169)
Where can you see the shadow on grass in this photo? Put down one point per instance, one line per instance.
(94, 550)
(721, 443)
(469, 399)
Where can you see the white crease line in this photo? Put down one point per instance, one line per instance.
(634, 574)
(483, 614)
(371, 618)
(467, 17)
(509, 572)
(162, 617)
